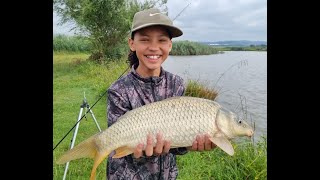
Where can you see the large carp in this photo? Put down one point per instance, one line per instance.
(179, 119)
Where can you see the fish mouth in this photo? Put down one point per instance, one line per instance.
(250, 133)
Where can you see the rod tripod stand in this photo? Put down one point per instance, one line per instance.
(83, 106)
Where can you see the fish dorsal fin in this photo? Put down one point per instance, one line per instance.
(224, 144)
(122, 151)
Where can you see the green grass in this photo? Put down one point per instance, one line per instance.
(71, 43)
(248, 162)
(197, 89)
(74, 75)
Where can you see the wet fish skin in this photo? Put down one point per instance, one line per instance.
(179, 119)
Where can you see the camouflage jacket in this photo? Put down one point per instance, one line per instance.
(132, 91)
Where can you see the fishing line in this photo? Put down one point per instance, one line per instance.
(87, 111)
(181, 11)
(105, 92)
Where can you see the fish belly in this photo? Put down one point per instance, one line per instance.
(179, 119)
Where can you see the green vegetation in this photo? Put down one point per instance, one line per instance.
(196, 89)
(82, 44)
(245, 48)
(191, 48)
(105, 23)
(105, 26)
(248, 162)
(73, 75)
(71, 43)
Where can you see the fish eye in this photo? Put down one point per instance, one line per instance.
(239, 121)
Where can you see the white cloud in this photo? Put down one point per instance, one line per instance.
(207, 20)
(61, 29)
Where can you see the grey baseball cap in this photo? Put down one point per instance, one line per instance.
(152, 17)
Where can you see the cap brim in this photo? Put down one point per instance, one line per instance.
(174, 31)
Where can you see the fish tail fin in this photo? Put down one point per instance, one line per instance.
(99, 157)
(86, 148)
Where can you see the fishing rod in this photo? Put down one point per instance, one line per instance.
(89, 109)
(181, 11)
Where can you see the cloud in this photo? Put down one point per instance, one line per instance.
(208, 20)
(61, 29)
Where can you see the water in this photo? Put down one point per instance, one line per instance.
(240, 77)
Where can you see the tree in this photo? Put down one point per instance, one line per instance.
(106, 23)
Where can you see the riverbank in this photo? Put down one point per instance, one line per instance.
(74, 78)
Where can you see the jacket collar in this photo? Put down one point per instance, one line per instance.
(152, 79)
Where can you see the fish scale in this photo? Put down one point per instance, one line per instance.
(179, 119)
(164, 120)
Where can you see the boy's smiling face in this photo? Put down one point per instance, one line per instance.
(152, 45)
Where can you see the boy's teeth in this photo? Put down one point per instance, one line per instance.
(153, 57)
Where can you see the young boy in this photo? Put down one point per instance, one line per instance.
(147, 82)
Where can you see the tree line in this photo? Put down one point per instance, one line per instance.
(105, 23)
(83, 44)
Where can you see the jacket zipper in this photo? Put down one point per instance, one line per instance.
(155, 99)
(152, 89)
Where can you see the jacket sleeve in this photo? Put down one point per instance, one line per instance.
(117, 105)
(180, 88)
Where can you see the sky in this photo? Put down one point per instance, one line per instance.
(210, 20)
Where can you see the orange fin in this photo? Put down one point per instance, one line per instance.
(99, 157)
(123, 151)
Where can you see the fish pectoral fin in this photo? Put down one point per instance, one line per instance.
(224, 144)
(123, 151)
